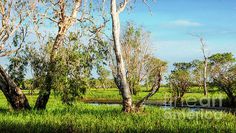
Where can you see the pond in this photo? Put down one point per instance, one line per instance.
(169, 107)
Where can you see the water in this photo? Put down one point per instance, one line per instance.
(169, 107)
(163, 107)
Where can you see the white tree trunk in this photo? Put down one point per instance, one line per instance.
(121, 72)
(205, 77)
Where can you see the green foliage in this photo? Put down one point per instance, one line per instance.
(74, 64)
(180, 79)
(223, 58)
(136, 53)
(153, 67)
(198, 72)
(17, 69)
(223, 74)
(182, 66)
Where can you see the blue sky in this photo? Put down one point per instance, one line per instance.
(172, 21)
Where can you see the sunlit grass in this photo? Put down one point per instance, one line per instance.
(106, 118)
(164, 94)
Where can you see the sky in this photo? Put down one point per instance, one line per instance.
(171, 23)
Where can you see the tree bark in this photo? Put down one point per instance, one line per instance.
(205, 66)
(45, 92)
(121, 74)
(12, 92)
(231, 96)
(156, 86)
(64, 23)
(205, 77)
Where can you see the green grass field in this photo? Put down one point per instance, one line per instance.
(107, 118)
(194, 94)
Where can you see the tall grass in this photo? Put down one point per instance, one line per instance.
(83, 117)
(104, 118)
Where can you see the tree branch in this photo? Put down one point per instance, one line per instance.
(122, 6)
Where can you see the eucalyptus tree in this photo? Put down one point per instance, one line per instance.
(154, 69)
(14, 15)
(73, 69)
(139, 62)
(64, 16)
(205, 57)
(120, 79)
(116, 8)
(51, 13)
(205, 62)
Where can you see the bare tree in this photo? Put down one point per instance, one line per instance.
(205, 57)
(203, 48)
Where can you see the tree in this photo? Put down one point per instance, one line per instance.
(17, 69)
(74, 63)
(65, 16)
(205, 57)
(154, 69)
(136, 52)
(64, 22)
(140, 64)
(13, 31)
(198, 72)
(180, 80)
(120, 79)
(223, 74)
(205, 64)
(203, 48)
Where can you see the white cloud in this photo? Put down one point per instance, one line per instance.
(184, 23)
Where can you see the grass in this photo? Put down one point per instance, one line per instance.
(164, 94)
(106, 118)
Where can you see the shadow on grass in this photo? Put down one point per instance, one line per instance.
(49, 128)
(4, 110)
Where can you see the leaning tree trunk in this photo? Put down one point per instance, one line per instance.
(64, 23)
(156, 86)
(45, 92)
(121, 74)
(231, 96)
(12, 92)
